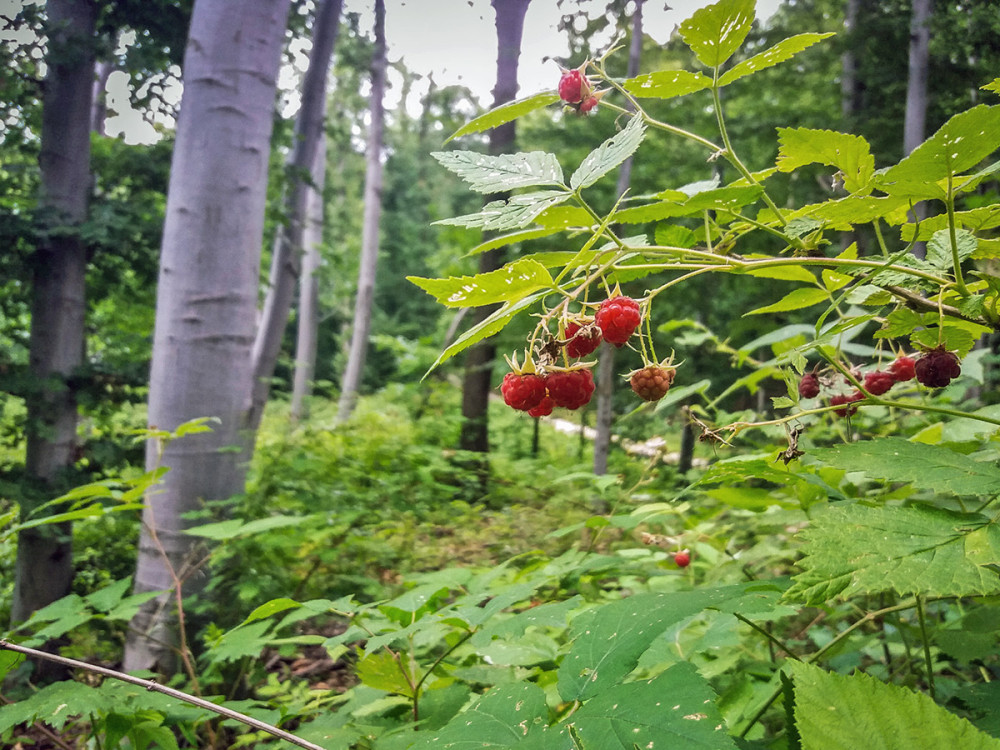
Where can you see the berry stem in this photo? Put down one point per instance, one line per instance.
(953, 236)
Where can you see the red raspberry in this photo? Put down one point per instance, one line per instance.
(570, 388)
(903, 369)
(589, 104)
(809, 386)
(877, 383)
(574, 87)
(652, 383)
(543, 409)
(937, 368)
(581, 339)
(618, 317)
(522, 392)
(682, 559)
(846, 403)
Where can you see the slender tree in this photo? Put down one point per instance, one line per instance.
(207, 294)
(365, 296)
(477, 383)
(915, 119)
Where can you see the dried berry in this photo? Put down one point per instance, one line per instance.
(809, 386)
(618, 317)
(937, 368)
(878, 382)
(652, 383)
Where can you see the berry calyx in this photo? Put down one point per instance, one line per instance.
(574, 86)
(877, 383)
(937, 368)
(682, 559)
(570, 388)
(522, 391)
(582, 338)
(809, 386)
(651, 383)
(903, 368)
(544, 408)
(618, 317)
(846, 403)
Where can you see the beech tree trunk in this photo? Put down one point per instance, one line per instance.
(207, 294)
(361, 327)
(477, 384)
(286, 261)
(43, 569)
(915, 120)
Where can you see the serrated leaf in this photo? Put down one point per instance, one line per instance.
(515, 213)
(609, 154)
(911, 550)
(833, 280)
(382, 671)
(715, 32)
(939, 248)
(783, 50)
(847, 212)
(54, 705)
(801, 226)
(783, 273)
(960, 144)
(850, 154)
(236, 527)
(835, 712)
(271, 608)
(796, 299)
(666, 84)
(512, 282)
(729, 198)
(975, 219)
(496, 174)
(674, 235)
(511, 239)
(506, 113)
(993, 86)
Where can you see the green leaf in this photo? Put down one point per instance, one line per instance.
(666, 84)
(850, 154)
(54, 705)
(271, 608)
(515, 213)
(783, 50)
(512, 239)
(674, 235)
(961, 143)
(847, 212)
(384, 672)
(838, 712)
(794, 300)
(939, 247)
(235, 527)
(506, 113)
(497, 174)
(715, 32)
(784, 273)
(9, 661)
(912, 550)
(609, 154)
(107, 598)
(993, 86)
(512, 282)
(975, 219)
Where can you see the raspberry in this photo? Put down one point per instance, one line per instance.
(581, 339)
(903, 369)
(652, 383)
(522, 392)
(846, 403)
(682, 559)
(937, 368)
(589, 104)
(543, 409)
(877, 383)
(570, 388)
(574, 87)
(618, 317)
(809, 386)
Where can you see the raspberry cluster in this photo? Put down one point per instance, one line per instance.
(539, 395)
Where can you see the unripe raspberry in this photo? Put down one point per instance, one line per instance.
(522, 391)
(877, 383)
(581, 340)
(652, 383)
(903, 369)
(570, 388)
(574, 86)
(618, 317)
(937, 368)
(809, 386)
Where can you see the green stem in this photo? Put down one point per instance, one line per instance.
(953, 236)
(927, 648)
(769, 636)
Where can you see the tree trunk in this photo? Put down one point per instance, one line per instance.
(914, 123)
(850, 90)
(207, 294)
(477, 383)
(286, 261)
(606, 361)
(43, 570)
(369, 228)
(308, 322)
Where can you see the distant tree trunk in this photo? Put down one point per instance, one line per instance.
(914, 123)
(606, 361)
(207, 293)
(850, 92)
(43, 570)
(361, 327)
(286, 261)
(477, 383)
(308, 322)
(99, 101)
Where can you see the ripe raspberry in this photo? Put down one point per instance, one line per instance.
(581, 340)
(522, 392)
(589, 104)
(573, 87)
(846, 403)
(903, 369)
(652, 383)
(570, 388)
(618, 317)
(937, 368)
(809, 386)
(877, 383)
(682, 559)
(543, 409)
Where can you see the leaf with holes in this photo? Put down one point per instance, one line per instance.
(666, 84)
(715, 32)
(512, 282)
(850, 154)
(496, 174)
(783, 50)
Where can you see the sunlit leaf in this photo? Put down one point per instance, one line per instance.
(609, 155)
(517, 212)
(796, 299)
(783, 50)
(850, 154)
(506, 113)
(495, 174)
(666, 84)
(512, 282)
(715, 32)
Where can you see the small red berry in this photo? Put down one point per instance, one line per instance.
(682, 559)
(903, 369)
(846, 403)
(573, 87)
(581, 339)
(877, 383)
(937, 368)
(522, 391)
(652, 383)
(543, 409)
(570, 388)
(809, 386)
(589, 104)
(618, 317)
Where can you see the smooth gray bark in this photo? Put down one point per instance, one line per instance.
(915, 120)
(207, 294)
(286, 261)
(365, 296)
